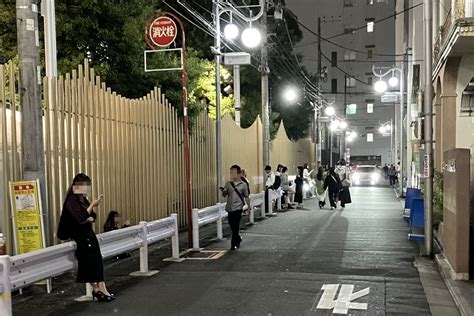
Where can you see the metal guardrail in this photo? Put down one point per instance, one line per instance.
(22, 270)
(215, 214)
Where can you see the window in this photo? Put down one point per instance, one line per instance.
(349, 55)
(348, 3)
(334, 86)
(350, 82)
(370, 26)
(349, 28)
(370, 108)
(370, 137)
(334, 59)
(370, 54)
(351, 109)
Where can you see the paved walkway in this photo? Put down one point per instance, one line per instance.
(280, 269)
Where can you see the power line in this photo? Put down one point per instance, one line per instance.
(345, 72)
(363, 27)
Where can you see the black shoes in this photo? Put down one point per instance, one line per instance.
(101, 297)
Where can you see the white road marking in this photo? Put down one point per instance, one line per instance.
(344, 299)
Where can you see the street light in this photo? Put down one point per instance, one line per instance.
(251, 37)
(290, 94)
(380, 86)
(342, 125)
(330, 111)
(231, 31)
(393, 81)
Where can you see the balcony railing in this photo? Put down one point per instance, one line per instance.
(461, 9)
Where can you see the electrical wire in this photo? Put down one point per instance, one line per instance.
(363, 27)
(345, 72)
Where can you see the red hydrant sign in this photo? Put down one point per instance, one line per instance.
(162, 31)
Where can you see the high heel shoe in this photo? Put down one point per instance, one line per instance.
(101, 297)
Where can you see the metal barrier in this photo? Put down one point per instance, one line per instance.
(22, 270)
(215, 214)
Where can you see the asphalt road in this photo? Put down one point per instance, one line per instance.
(280, 269)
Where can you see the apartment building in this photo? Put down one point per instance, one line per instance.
(354, 40)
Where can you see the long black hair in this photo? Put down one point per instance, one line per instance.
(79, 178)
(319, 176)
(111, 218)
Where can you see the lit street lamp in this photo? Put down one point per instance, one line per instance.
(330, 111)
(290, 94)
(251, 37)
(231, 31)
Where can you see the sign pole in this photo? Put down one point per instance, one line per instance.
(160, 31)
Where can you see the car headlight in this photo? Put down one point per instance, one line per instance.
(374, 176)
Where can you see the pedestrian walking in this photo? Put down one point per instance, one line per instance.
(236, 192)
(385, 171)
(344, 174)
(333, 184)
(392, 175)
(76, 223)
(112, 223)
(397, 172)
(321, 192)
(299, 187)
(269, 181)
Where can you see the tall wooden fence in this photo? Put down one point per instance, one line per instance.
(131, 148)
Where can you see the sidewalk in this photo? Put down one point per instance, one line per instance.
(280, 270)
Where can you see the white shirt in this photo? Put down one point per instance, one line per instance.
(269, 179)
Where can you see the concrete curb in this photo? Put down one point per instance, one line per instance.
(461, 301)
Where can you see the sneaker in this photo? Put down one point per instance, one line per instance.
(233, 248)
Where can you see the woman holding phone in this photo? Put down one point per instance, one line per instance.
(76, 224)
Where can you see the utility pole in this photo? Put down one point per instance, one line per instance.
(343, 135)
(217, 57)
(237, 94)
(402, 114)
(265, 95)
(317, 109)
(428, 115)
(33, 165)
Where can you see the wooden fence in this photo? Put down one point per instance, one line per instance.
(131, 148)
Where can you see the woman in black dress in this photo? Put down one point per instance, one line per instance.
(333, 184)
(299, 187)
(76, 224)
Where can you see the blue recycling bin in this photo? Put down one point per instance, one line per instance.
(417, 218)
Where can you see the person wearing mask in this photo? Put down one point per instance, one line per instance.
(299, 187)
(76, 223)
(320, 190)
(333, 184)
(236, 192)
(344, 174)
(269, 182)
(112, 223)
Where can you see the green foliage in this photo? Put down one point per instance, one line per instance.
(7, 30)
(438, 186)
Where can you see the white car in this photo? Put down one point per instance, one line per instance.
(366, 175)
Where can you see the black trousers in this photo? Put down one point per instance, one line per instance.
(332, 198)
(234, 223)
(267, 209)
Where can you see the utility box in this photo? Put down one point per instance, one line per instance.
(456, 211)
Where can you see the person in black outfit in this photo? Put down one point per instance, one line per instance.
(76, 224)
(112, 224)
(299, 187)
(332, 182)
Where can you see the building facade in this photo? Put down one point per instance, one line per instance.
(353, 40)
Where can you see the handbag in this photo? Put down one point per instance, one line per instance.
(245, 207)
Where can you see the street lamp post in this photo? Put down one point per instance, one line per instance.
(251, 38)
(381, 86)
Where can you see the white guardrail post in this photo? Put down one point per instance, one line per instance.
(196, 230)
(271, 195)
(220, 234)
(5, 287)
(175, 254)
(144, 254)
(280, 195)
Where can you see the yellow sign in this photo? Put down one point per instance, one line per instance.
(27, 216)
